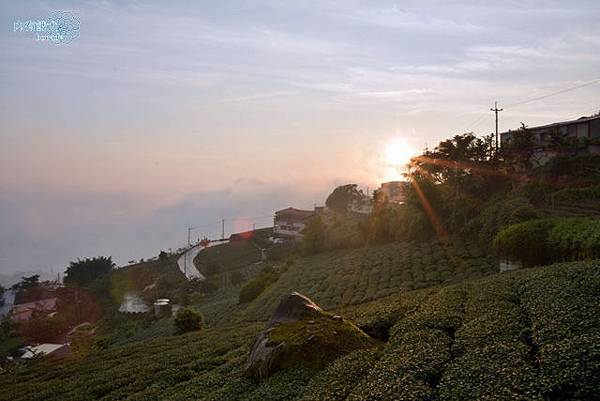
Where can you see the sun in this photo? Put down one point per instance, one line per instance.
(398, 153)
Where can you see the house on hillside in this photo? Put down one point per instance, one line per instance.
(290, 222)
(585, 129)
(24, 312)
(361, 207)
(395, 191)
(56, 351)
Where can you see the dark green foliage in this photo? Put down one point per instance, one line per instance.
(338, 379)
(399, 223)
(542, 241)
(211, 268)
(526, 242)
(258, 284)
(236, 278)
(575, 238)
(84, 271)
(537, 192)
(591, 193)
(342, 196)
(228, 257)
(2, 290)
(531, 334)
(314, 236)
(350, 277)
(498, 214)
(27, 283)
(188, 319)
(380, 328)
(9, 338)
(520, 150)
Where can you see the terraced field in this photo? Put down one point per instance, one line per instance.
(530, 335)
(350, 277)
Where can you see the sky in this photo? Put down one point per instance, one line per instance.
(164, 115)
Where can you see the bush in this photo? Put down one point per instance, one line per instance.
(526, 242)
(188, 319)
(575, 238)
(543, 241)
(500, 214)
(258, 284)
(314, 236)
(577, 194)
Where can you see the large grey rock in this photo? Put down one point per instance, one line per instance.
(295, 307)
(299, 332)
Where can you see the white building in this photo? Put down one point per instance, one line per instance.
(363, 206)
(290, 222)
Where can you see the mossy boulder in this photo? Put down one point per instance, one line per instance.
(307, 336)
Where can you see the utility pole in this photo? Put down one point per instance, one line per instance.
(190, 229)
(496, 110)
(184, 254)
(222, 228)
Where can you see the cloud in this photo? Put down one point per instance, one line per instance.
(44, 230)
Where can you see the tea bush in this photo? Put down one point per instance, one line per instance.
(542, 241)
(530, 334)
(187, 319)
(591, 193)
(526, 242)
(258, 284)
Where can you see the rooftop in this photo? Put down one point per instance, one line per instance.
(560, 124)
(294, 214)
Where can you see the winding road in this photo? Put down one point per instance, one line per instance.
(186, 263)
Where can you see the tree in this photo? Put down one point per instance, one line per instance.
(342, 196)
(521, 148)
(83, 272)
(2, 295)
(26, 283)
(314, 236)
(188, 319)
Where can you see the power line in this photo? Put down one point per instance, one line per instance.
(572, 88)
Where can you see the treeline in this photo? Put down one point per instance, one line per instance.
(465, 187)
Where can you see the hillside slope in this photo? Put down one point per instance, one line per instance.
(531, 334)
(342, 278)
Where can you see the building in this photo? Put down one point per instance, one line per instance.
(24, 312)
(584, 128)
(395, 191)
(290, 222)
(362, 206)
(47, 350)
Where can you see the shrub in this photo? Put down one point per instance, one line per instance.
(314, 236)
(500, 214)
(526, 242)
(543, 241)
(575, 238)
(188, 319)
(258, 284)
(577, 194)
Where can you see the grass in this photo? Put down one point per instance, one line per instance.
(531, 334)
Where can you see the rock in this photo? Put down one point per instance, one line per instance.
(295, 307)
(301, 333)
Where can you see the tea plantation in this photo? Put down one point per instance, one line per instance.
(532, 334)
(350, 277)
